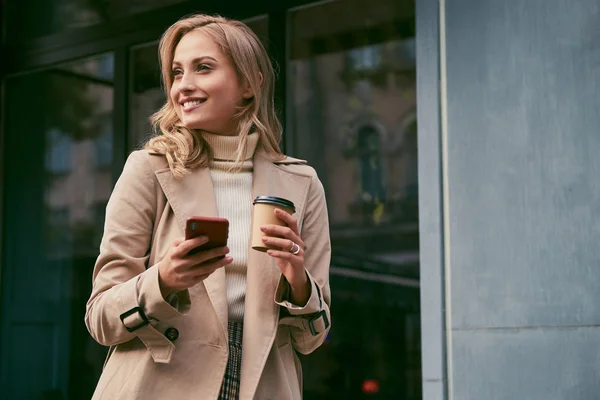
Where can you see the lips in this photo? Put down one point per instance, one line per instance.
(191, 104)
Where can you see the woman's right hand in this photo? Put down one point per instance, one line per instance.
(180, 270)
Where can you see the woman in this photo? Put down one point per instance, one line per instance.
(185, 326)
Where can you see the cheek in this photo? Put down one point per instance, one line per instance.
(231, 98)
(223, 88)
(173, 99)
(172, 94)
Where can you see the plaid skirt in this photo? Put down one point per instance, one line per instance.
(230, 388)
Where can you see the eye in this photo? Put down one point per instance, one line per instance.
(203, 67)
(175, 72)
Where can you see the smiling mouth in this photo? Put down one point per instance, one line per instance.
(192, 104)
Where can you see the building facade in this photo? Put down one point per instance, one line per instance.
(508, 99)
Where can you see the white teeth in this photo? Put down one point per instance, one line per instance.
(192, 103)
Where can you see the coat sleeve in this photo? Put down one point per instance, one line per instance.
(309, 324)
(126, 293)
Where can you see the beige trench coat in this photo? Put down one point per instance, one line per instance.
(146, 212)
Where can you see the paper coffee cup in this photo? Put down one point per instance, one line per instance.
(264, 214)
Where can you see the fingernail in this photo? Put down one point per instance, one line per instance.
(263, 228)
(265, 239)
(270, 252)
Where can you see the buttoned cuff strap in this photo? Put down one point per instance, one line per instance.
(318, 323)
(134, 319)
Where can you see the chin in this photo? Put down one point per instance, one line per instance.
(193, 124)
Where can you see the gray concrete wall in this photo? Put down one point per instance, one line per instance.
(514, 227)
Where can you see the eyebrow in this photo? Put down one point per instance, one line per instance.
(197, 60)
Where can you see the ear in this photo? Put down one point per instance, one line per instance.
(248, 90)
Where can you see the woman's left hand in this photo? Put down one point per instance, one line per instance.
(289, 255)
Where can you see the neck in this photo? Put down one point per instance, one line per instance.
(227, 147)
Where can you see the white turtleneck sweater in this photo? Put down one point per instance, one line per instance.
(233, 195)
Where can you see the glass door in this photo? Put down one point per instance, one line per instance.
(59, 155)
(351, 110)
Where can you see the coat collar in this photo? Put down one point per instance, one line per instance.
(193, 195)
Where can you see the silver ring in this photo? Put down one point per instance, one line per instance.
(294, 246)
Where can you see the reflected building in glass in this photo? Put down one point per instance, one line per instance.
(352, 109)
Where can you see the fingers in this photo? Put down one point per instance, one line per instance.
(283, 244)
(187, 274)
(185, 246)
(282, 232)
(202, 258)
(203, 271)
(289, 219)
(207, 255)
(182, 270)
(287, 256)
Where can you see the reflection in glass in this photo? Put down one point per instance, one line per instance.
(352, 111)
(34, 18)
(59, 137)
(147, 94)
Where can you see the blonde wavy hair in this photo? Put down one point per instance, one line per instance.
(185, 149)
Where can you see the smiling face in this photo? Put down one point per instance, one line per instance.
(206, 90)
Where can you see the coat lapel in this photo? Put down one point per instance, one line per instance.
(261, 314)
(193, 195)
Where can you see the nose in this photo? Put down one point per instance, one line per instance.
(186, 83)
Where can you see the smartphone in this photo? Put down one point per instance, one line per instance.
(217, 230)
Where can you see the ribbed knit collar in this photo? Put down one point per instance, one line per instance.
(225, 147)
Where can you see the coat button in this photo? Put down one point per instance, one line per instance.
(172, 334)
